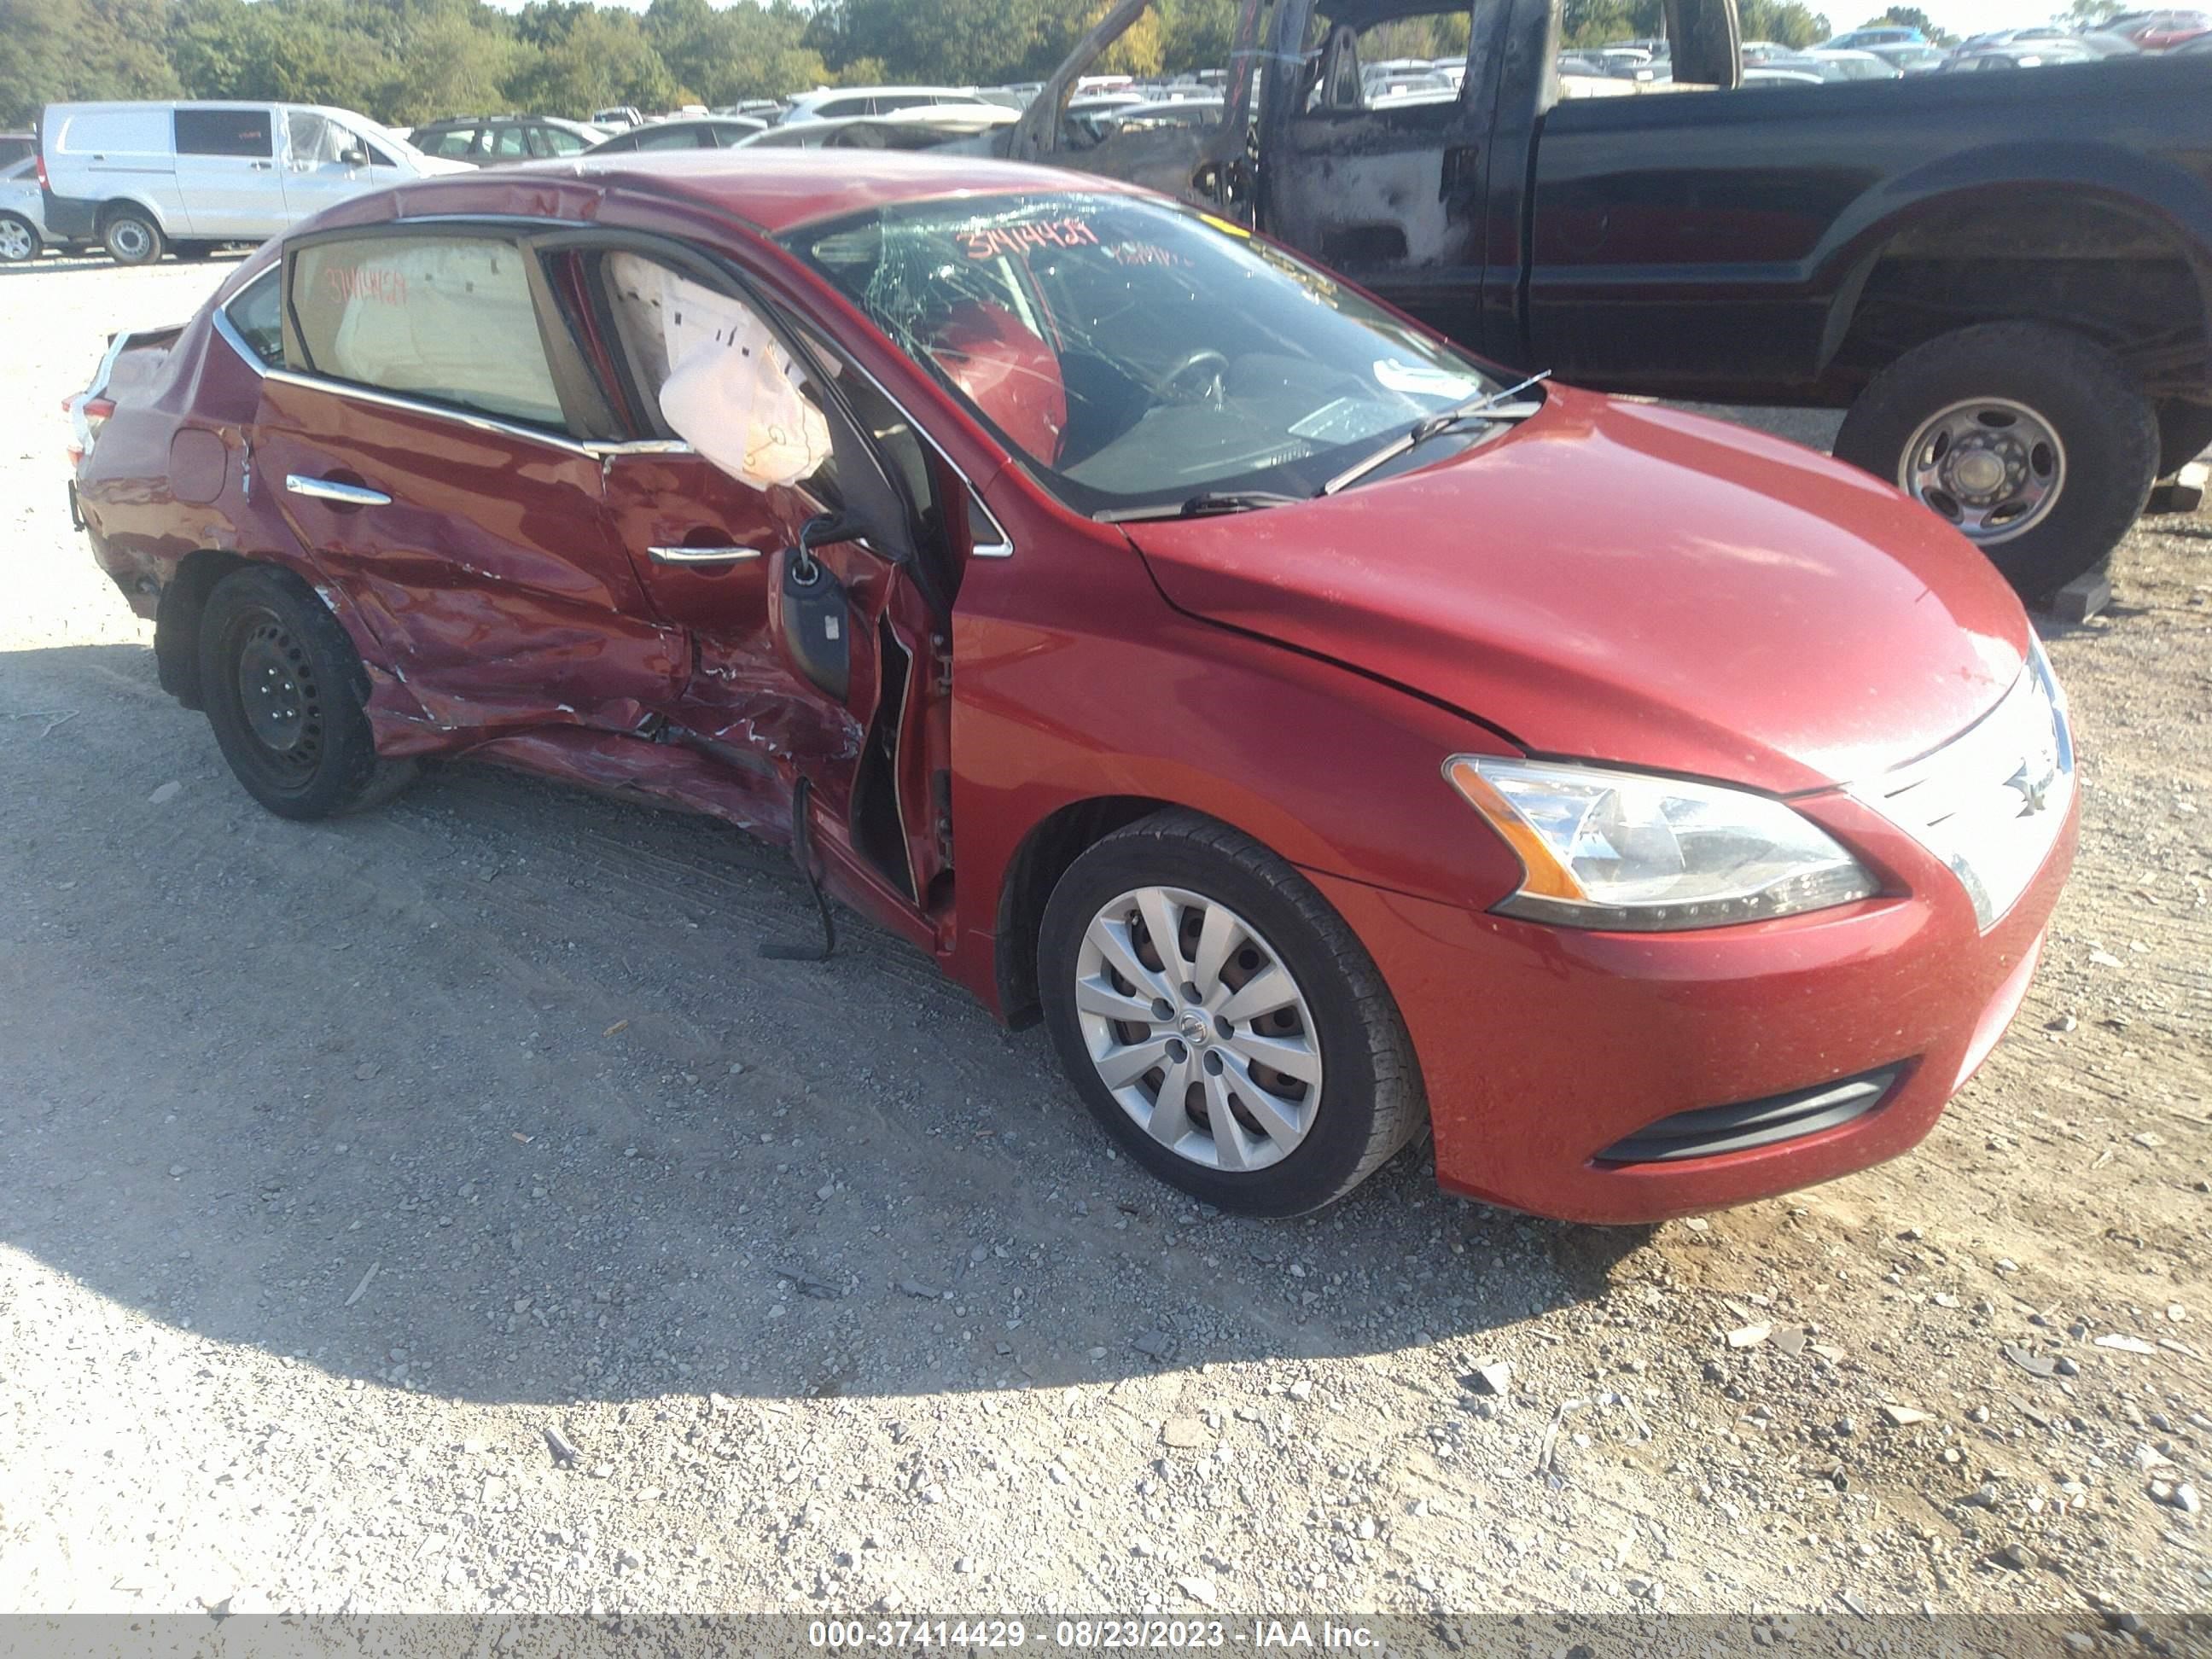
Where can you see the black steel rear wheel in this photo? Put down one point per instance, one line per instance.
(286, 695)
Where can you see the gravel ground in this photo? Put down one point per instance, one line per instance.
(445, 1209)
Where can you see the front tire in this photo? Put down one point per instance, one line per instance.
(131, 237)
(20, 241)
(1224, 1023)
(2035, 443)
(286, 695)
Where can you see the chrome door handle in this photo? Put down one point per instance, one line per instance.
(328, 489)
(264, 167)
(701, 555)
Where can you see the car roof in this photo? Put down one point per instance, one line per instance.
(779, 189)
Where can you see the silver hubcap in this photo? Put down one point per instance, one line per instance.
(1198, 1029)
(1991, 466)
(15, 241)
(129, 239)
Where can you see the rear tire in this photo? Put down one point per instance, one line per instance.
(286, 695)
(1347, 1095)
(2098, 473)
(131, 237)
(20, 241)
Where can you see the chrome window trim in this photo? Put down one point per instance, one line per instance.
(230, 330)
(489, 423)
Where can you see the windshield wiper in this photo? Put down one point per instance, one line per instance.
(1490, 405)
(1205, 504)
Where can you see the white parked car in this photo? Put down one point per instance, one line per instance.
(22, 214)
(143, 178)
(834, 103)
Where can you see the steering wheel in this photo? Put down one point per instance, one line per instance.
(1198, 377)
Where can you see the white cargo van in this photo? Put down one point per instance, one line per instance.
(144, 177)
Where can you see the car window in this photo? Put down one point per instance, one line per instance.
(256, 315)
(831, 110)
(449, 318)
(454, 141)
(1135, 353)
(668, 138)
(317, 141)
(509, 140)
(21, 169)
(889, 102)
(224, 132)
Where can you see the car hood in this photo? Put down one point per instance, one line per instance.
(1626, 583)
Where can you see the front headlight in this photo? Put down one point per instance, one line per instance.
(1605, 849)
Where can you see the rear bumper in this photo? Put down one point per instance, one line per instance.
(1544, 1049)
(69, 218)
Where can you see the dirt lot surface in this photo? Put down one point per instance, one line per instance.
(446, 1209)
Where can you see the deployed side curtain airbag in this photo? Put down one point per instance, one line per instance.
(726, 386)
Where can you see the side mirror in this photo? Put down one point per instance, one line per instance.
(354, 156)
(827, 529)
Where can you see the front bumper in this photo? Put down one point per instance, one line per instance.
(1543, 1048)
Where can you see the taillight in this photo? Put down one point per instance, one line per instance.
(87, 416)
(44, 182)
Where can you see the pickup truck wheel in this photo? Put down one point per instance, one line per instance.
(1221, 1021)
(19, 240)
(286, 693)
(130, 237)
(2035, 443)
(2184, 432)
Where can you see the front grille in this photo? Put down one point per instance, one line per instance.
(1990, 802)
(1714, 1131)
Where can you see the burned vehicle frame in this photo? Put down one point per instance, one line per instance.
(2005, 283)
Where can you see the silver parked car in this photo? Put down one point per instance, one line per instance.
(23, 234)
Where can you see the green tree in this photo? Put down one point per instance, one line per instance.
(1785, 22)
(603, 59)
(449, 66)
(1911, 17)
(2087, 13)
(1197, 34)
(61, 50)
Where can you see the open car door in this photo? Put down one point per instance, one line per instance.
(768, 511)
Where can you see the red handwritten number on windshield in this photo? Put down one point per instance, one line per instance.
(989, 243)
(347, 283)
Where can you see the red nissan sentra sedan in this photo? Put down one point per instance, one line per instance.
(1327, 740)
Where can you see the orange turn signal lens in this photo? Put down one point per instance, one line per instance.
(1547, 876)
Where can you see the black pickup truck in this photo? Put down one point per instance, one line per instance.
(2005, 279)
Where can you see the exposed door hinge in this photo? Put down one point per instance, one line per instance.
(940, 798)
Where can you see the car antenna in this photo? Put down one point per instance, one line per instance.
(802, 852)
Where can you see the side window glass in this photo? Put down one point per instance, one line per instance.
(224, 132)
(663, 138)
(310, 138)
(451, 320)
(257, 317)
(559, 141)
(453, 142)
(718, 378)
(507, 141)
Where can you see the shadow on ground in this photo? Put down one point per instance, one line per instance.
(488, 1093)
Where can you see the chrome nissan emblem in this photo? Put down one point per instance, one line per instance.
(1197, 1029)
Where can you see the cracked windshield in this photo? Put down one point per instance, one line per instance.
(1138, 355)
